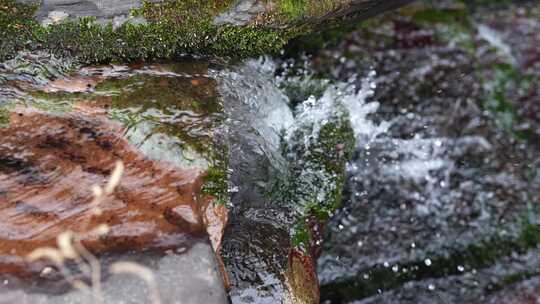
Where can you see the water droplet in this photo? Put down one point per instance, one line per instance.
(438, 143)
(413, 245)
(365, 276)
(395, 268)
(386, 264)
(340, 227)
(427, 262)
(460, 268)
(360, 243)
(431, 287)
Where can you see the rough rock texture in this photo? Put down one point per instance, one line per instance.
(115, 11)
(240, 13)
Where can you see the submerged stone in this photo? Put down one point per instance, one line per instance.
(65, 135)
(49, 165)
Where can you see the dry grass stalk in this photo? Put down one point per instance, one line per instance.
(71, 248)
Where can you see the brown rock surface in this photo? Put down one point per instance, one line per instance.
(48, 164)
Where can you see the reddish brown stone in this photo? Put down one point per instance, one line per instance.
(73, 84)
(48, 164)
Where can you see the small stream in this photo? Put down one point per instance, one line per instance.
(400, 165)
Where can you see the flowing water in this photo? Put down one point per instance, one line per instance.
(64, 128)
(438, 139)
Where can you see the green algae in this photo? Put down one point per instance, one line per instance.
(167, 112)
(4, 117)
(172, 117)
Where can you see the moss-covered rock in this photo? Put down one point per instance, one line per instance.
(125, 31)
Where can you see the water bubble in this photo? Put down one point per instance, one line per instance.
(460, 268)
(427, 262)
(395, 268)
(386, 264)
(365, 276)
(360, 243)
(413, 245)
(340, 227)
(431, 287)
(438, 143)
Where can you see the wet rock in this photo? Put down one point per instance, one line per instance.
(42, 165)
(161, 215)
(54, 11)
(448, 187)
(286, 173)
(257, 241)
(241, 13)
(202, 285)
(523, 292)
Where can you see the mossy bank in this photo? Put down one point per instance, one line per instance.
(165, 30)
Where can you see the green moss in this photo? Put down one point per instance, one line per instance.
(4, 116)
(16, 27)
(316, 174)
(216, 181)
(174, 28)
(293, 9)
(502, 79)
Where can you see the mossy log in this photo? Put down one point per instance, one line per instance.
(97, 31)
